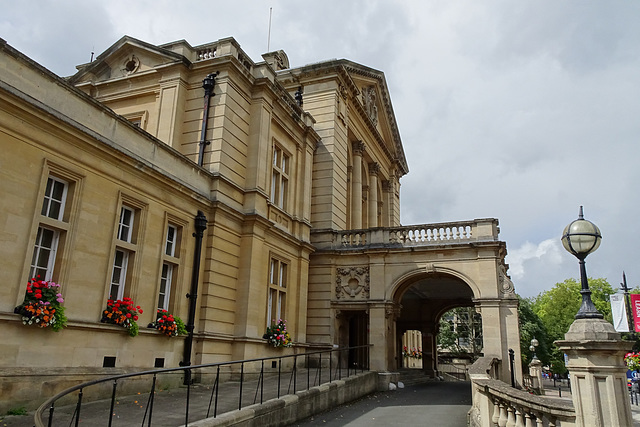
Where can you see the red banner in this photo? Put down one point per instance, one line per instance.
(635, 309)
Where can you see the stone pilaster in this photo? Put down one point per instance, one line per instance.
(356, 185)
(598, 373)
(374, 169)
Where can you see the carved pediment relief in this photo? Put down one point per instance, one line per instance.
(370, 102)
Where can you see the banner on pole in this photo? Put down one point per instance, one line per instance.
(635, 309)
(619, 313)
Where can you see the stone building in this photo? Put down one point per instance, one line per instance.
(297, 171)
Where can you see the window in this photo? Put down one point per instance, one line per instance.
(44, 253)
(170, 265)
(170, 246)
(125, 225)
(119, 275)
(165, 286)
(280, 178)
(52, 227)
(129, 224)
(55, 197)
(277, 290)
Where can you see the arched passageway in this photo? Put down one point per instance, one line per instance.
(423, 301)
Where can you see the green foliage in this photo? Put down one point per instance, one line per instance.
(531, 327)
(182, 329)
(558, 306)
(556, 309)
(460, 332)
(17, 411)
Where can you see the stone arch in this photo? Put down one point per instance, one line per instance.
(423, 295)
(408, 279)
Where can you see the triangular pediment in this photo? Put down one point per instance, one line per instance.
(125, 57)
(376, 106)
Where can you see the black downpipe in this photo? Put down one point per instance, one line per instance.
(200, 226)
(208, 83)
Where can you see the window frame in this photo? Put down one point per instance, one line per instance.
(280, 176)
(278, 270)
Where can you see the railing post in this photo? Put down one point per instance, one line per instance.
(262, 382)
(151, 397)
(78, 407)
(330, 365)
(295, 372)
(113, 400)
(50, 423)
(241, 381)
(187, 372)
(279, 373)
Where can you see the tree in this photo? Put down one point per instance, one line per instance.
(558, 306)
(460, 332)
(531, 327)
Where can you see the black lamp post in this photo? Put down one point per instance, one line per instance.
(580, 238)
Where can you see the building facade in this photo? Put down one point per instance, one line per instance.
(296, 171)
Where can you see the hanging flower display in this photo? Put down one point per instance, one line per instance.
(122, 312)
(169, 324)
(277, 334)
(415, 353)
(42, 305)
(633, 361)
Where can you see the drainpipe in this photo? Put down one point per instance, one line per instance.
(208, 83)
(200, 226)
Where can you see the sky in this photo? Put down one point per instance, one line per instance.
(521, 111)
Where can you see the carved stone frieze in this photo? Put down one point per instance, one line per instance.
(370, 105)
(352, 282)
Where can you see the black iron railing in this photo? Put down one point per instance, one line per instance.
(214, 388)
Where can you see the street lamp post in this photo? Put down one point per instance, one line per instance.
(532, 348)
(581, 237)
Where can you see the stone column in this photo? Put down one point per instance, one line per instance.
(535, 371)
(356, 185)
(429, 351)
(374, 169)
(598, 373)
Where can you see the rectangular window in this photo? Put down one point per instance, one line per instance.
(125, 225)
(276, 303)
(119, 275)
(44, 254)
(280, 178)
(55, 196)
(165, 286)
(170, 246)
(52, 226)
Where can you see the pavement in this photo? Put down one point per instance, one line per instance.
(429, 403)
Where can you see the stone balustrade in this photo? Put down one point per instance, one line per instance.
(444, 233)
(497, 404)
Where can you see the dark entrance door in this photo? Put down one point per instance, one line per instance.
(358, 336)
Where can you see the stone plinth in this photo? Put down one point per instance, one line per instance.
(598, 373)
(535, 371)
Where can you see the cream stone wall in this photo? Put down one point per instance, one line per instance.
(127, 133)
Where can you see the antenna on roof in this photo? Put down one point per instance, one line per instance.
(92, 49)
(269, 36)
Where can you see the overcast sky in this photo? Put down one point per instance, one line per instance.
(516, 110)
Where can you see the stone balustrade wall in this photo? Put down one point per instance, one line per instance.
(444, 233)
(497, 404)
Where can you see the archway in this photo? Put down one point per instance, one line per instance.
(423, 300)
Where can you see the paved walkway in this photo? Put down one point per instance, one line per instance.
(442, 404)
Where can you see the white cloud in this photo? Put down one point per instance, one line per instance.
(521, 112)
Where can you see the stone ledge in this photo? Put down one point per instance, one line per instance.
(291, 408)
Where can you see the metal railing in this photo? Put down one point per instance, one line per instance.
(210, 390)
